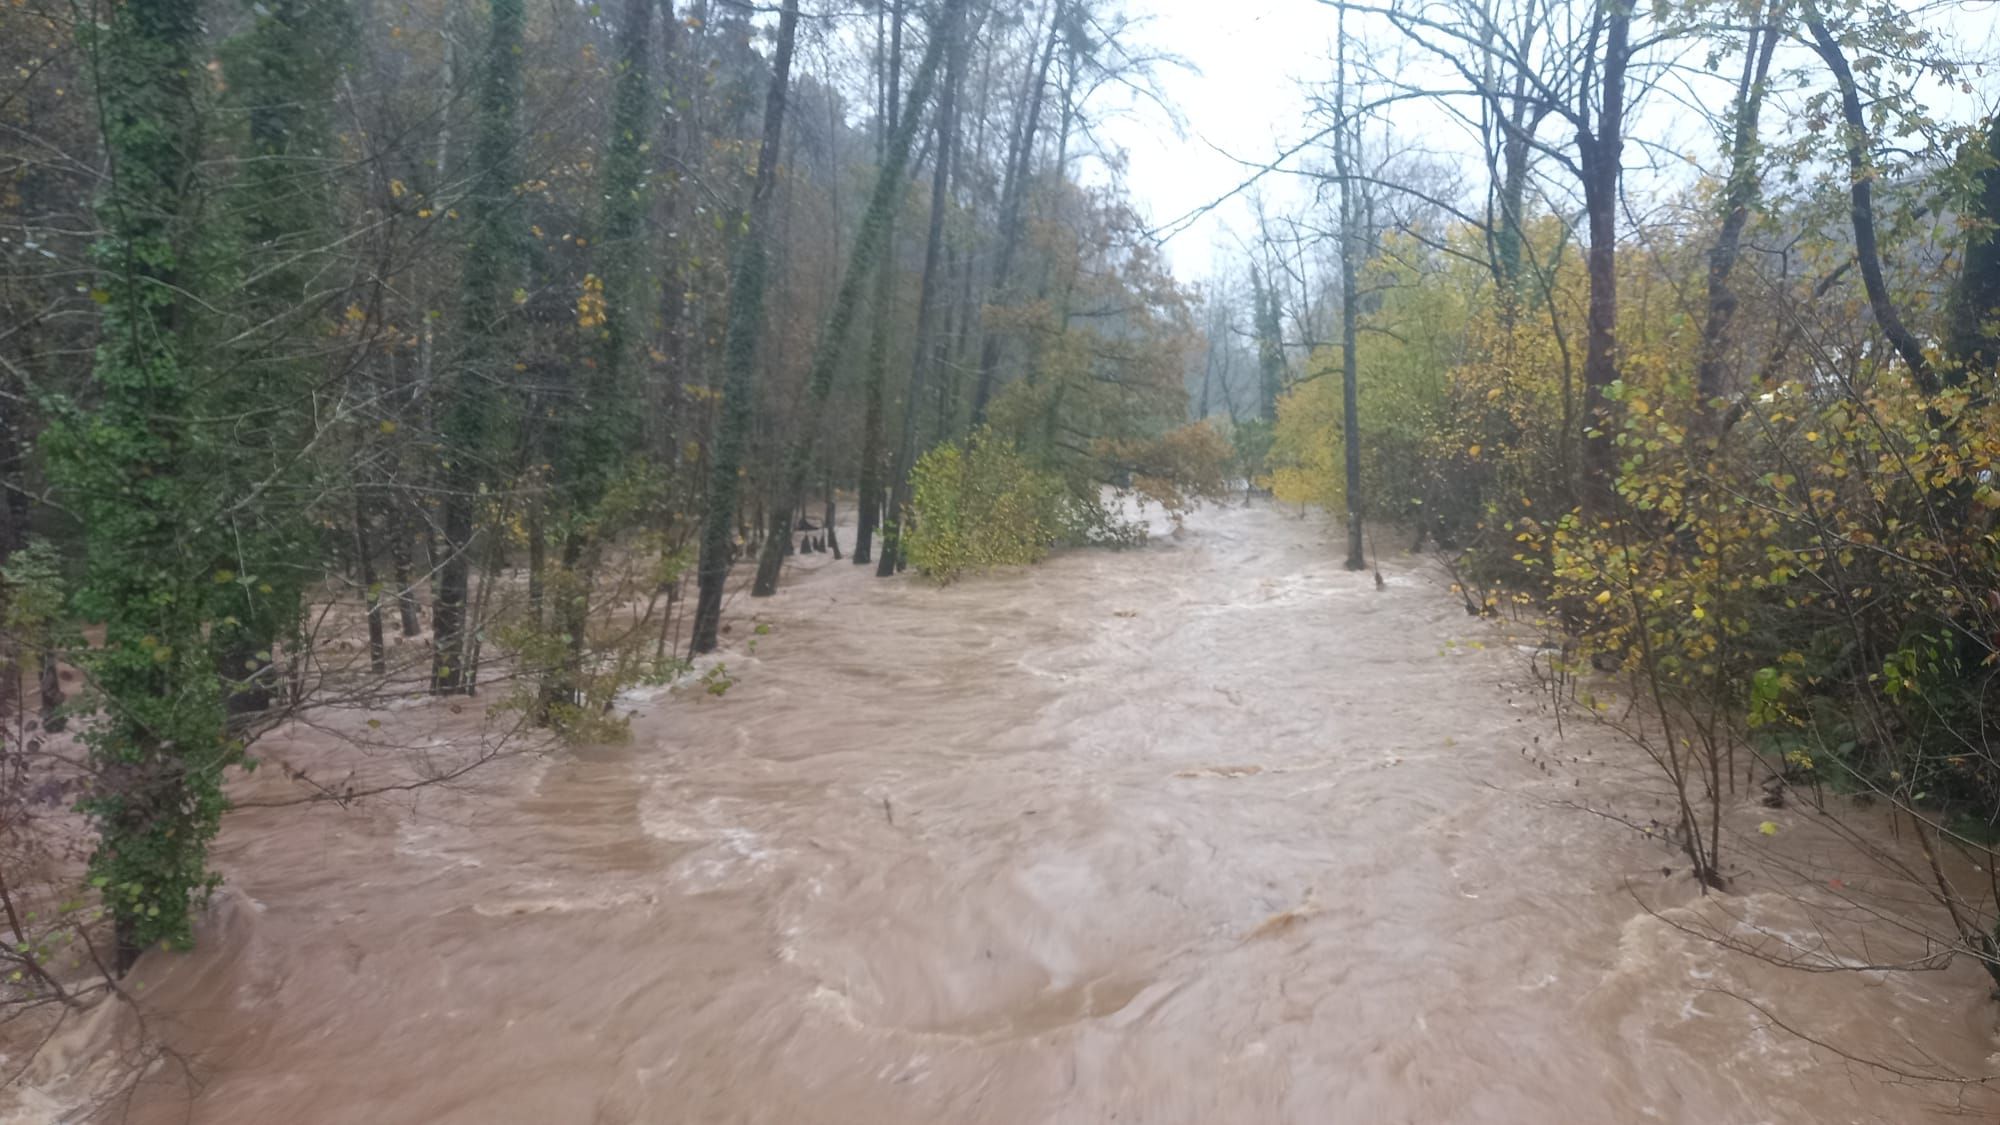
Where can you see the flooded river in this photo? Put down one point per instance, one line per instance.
(1208, 832)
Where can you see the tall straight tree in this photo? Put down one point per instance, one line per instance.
(1600, 144)
(869, 246)
(869, 510)
(739, 358)
(1270, 346)
(1737, 195)
(493, 264)
(142, 476)
(1013, 202)
(1345, 140)
(1861, 199)
(595, 427)
(280, 75)
(927, 353)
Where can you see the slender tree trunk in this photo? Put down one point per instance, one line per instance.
(746, 323)
(1861, 202)
(1013, 196)
(873, 407)
(538, 563)
(927, 301)
(1350, 309)
(491, 265)
(1738, 194)
(1602, 161)
(399, 559)
(1514, 153)
(1972, 337)
(1270, 348)
(869, 246)
(364, 556)
(832, 531)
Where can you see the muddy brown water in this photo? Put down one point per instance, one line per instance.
(1207, 832)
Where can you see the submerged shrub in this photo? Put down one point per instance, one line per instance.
(980, 506)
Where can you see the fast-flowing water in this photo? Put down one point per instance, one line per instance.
(1207, 832)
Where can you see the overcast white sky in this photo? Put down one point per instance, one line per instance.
(1244, 99)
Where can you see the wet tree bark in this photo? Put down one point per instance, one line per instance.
(1738, 194)
(364, 556)
(1600, 158)
(868, 248)
(928, 296)
(746, 322)
(873, 408)
(399, 559)
(1012, 199)
(1350, 310)
(489, 272)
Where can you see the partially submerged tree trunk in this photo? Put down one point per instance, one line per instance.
(868, 248)
(746, 323)
(1345, 138)
(595, 431)
(873, 408)
(491, 266)
(929, 295)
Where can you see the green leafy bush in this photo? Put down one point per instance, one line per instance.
(982, 505)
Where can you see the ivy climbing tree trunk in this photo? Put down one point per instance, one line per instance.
(739, 358)
(596, 426)
(492, 265)
(869, 247)
(139, 471)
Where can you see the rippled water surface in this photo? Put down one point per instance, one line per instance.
(1208, 832)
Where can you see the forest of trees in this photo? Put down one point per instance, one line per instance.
(353, 352)
(1686, 357)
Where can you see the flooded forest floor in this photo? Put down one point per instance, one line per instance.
(1207, 831)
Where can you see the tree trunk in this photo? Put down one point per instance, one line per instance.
(1738, 194)
(927, 301)
(873, 408)
(399, 559)
(1861, 202)
(832, 532)
(746, 323)
(491, 264)
(364, 556)
(1601, 159)
(869, 246)
(1350, 310)
(1013, 194)
(1972, 341)
(1270, 348)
